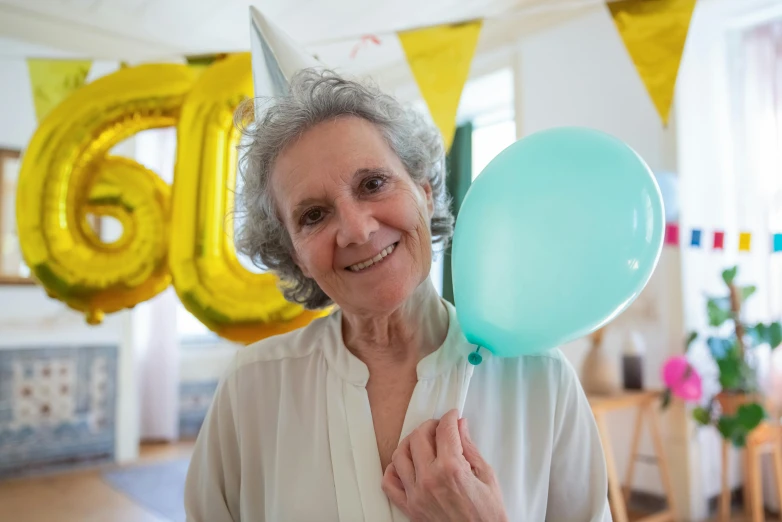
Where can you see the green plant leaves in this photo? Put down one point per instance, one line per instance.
(757, 333)
(690, 339)
(750, 415)
(770, 334)
(747, 291)
(730, 375)
(736, 428)
(731, 430)
(667, 395)
(729, 275)
(701, 416)
(732, 371)
(719, 347)
(775, 334)
(718, 310)
(727, 426)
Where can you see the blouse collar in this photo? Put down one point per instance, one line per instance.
(350, 368)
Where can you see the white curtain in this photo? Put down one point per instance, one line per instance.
(758, 118)
(156, 343)
(758, 135)
(155, 333)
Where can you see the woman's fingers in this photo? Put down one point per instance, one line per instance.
(430, 476)
(393, 487)
(449, 442)
(403, 463)
(423, 445)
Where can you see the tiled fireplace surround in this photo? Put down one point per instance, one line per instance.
(58, 407)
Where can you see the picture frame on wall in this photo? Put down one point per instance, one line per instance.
(13, 270)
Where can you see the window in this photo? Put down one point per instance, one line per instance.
(190, 329)
(487, 102)
(490, 139)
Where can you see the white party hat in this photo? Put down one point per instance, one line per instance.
(275, 56)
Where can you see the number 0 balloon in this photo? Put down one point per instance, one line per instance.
(557, 236)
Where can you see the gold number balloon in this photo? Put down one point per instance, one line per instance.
(211, 282)
(66, 175)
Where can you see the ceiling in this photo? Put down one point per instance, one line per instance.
(146, 30)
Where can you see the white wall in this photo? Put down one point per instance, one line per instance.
(580, 74)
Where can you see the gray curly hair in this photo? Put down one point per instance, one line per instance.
(314, 97)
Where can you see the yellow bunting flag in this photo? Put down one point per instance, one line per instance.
(440, 58)
(654, 32)
(745, 241)
(54, 80)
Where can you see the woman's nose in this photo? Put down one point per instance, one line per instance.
(355, 224)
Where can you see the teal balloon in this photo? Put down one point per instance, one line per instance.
(557, 236)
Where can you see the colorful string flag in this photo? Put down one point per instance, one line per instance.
(440, 58)
(696, 238)
(672, 234)
(745, 241)
(654, 33)
(719, 240)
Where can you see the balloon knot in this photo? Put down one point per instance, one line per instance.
(475, 358)
(94, 317)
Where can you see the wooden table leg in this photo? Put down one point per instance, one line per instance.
(662, 461)
(614, 483)
(756, 484)
(725, 495)
(639, 418)
(747, 486)
(777, 456)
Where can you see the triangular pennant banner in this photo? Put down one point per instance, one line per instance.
(440, 58)
(654, 32)
(53, 80)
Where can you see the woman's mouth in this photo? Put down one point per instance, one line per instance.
(379, 258)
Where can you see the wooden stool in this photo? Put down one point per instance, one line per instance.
(644, 402)
(766, 438)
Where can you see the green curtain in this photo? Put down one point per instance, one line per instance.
(459, 169)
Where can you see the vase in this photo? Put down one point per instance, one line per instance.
(633, 361)
(598, 375)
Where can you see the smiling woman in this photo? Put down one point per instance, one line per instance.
(362, 415)
(345, 197)
(329, 127)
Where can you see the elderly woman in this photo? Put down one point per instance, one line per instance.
(373, 412)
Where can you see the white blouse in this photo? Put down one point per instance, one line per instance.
(289, 436)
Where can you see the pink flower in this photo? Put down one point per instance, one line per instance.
(682, 379)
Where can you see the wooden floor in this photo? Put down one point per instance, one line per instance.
(80, 496)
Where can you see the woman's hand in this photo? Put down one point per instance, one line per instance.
(437, 474)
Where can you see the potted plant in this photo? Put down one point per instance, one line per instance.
(738, 408)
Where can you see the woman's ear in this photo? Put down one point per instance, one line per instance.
(429, 199)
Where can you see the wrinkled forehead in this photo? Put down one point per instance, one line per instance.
(327, 157)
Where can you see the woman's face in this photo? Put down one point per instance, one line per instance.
(360, 225)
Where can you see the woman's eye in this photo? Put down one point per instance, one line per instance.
(373, 184)
(312, 216)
